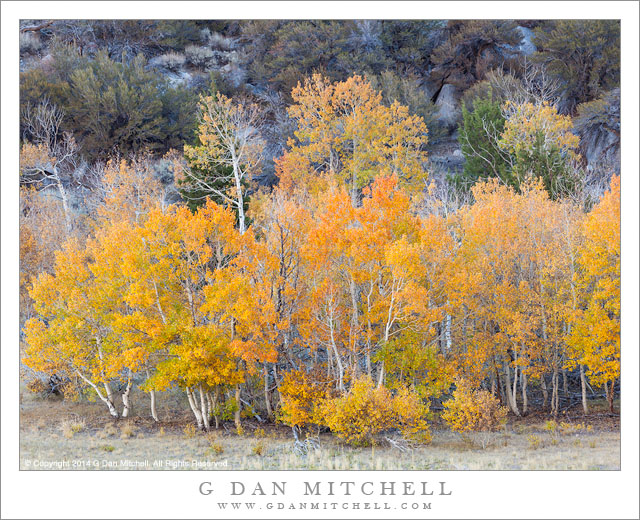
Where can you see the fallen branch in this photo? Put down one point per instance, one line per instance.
(399, 444)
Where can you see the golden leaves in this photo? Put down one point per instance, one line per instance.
(344, 131)
(473, 410)
(366, 411)
(595, 337)
(526, 121)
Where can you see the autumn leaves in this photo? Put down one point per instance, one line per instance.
(332, 299)
(345, 133)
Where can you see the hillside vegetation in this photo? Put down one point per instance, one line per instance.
(368, 228)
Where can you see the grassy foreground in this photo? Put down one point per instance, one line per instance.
(55, 434)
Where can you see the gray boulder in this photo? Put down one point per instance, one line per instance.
(448, 105)
(526, 46)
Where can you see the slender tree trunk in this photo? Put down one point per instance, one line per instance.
(381, 374)
(554, 392)
(238, 405)
(369, 334)
(154, 412)
(338, 360)
(354, 188)
(583, 384)
(194, 408)
(239, 195)
(514, 390)
(387, 330)
(355, 326)
(501, 394)
(507, 390)
(111, 407)
(609, 388)
(107, 388)
(65, 199)
(108, 399)
(447, 333)
(126, 401)
(152, 395)
(545, 391)
(216, 399)
(209, 405)
(525, 399)
(565, 384)
(203, 409)
(267, 400)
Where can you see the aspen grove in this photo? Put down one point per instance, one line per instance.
(352, 295)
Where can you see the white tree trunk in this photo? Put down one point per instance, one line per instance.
(267, 400)
(108, 399)
(525, 399)
(381, 374)
(583, 384)
(447, 333)
(338, 359)
(152, 395)
(126, 401)
(203, 409)
(514, 390)
(64, 197)
(209, 405)
(237, 174)
(154, 412)
(508, 392)
(214, 406)
(111, 407)
(554, 392)
(238, 404)
(194, 408)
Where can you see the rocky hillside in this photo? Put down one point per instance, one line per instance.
(142, 79)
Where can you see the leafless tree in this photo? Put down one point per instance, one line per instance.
(440, 196)
(42, 126)
(231, 138)
(532, 86)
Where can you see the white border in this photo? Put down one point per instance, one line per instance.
(174, 495)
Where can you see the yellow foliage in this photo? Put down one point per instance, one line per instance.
(366, 411)
(473, 410)
(344, 131)
(526, 120)
(595, 337)
(300, 396)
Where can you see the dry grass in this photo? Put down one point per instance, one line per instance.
(69, 427)
(52, 432)
(127, 430)
(171, 61)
